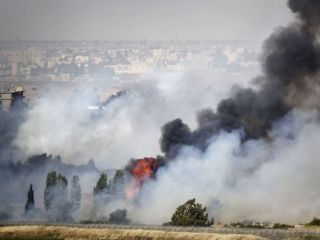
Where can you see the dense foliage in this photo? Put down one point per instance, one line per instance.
(113, 188)
(117, 183)
(282, 226)
(51, 182)
(191, 213)
(55, 197)
(119, 217)
(101, 184)
(315, 222)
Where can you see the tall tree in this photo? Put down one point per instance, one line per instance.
(75, 193)
(116, 186)
(30, 201)
(51, 182)
(61, 189)
(102, 186)
(118, 177)
(55, 197)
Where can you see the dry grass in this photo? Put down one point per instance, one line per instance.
(66, 233)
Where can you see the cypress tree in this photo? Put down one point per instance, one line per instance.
(116, 186)
(75, 193)
(55, 197)
(30, 201)
(102, 185)
(51, 182)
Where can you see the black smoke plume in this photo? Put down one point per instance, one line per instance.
(308, 11)
(290, 63)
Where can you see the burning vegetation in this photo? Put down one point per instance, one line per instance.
(290, 81)
(140, 170)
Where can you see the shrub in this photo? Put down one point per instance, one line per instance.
(315, 222)
(282, 226)
(191, 214)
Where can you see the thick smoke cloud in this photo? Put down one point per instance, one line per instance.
(175, 135)
(259, 144)
(290, 64)
(308, 11)
(257, 179)
(127, 126)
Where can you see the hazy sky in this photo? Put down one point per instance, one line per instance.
(140, 19)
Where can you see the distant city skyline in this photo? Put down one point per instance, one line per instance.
(112, 20)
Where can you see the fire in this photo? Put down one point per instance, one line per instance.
(142, 170)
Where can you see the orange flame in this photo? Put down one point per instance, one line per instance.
(144, 169)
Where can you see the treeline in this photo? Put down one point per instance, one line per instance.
(15, 177)
(106, 191)
(63, 206)
(58, 207)
(41, 161)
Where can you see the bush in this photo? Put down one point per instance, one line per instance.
(191, 214)
(282, 226)
(119, 217)
(244, 225)
(315, 222)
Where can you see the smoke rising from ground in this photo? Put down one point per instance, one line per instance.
(127, 128)
(253, 156)
(308, 12)
(259, 180)
(255, 153)
(290, 64)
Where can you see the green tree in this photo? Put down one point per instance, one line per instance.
(55, 197)
(62, 181)
(315, 222)
(191, 214)
(51, 182)
(118, 177)
(116, 186)
(100, 195)
(102, 185)
(75, 193)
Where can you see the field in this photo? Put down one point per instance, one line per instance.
(67, 233)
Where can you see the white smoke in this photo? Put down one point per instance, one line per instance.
(275, 180)
(61, 124)
(259, 180)
(130, 125)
